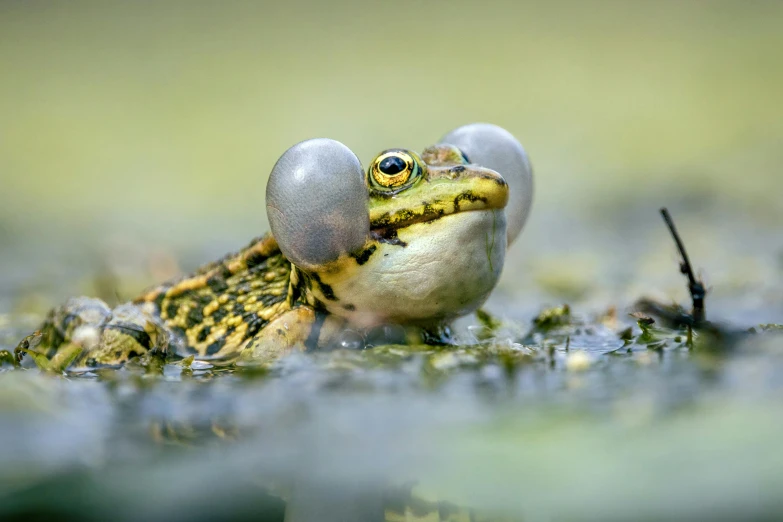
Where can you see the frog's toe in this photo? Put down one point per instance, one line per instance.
(291, 331)
(86, 332)
(67, 330)
(128, 332)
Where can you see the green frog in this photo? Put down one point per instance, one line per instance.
(407, 245)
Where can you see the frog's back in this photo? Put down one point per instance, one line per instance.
(218, 308)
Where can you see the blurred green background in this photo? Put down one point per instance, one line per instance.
(135, 142)
(153, 125)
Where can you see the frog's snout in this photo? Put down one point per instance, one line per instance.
(494, 187)
(481, 188)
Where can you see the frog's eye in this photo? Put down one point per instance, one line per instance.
(495, 148)
(394, 168)
(316, 202)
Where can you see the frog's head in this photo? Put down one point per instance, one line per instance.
(412, 240)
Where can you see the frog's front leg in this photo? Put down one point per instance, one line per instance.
(86, 332)
(300, 329)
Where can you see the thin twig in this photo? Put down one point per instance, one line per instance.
(695, 286)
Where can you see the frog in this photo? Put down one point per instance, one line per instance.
(410, 243)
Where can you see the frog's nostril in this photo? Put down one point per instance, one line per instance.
(392, 165)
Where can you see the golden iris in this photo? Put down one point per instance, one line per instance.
(394, 168)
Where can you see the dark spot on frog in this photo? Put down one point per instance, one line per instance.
(238, 309)
(254, 325)
(118, 355)
(159, 299)
(389, 236)
(215, 347)
(457, 169)
(296, 289)
(382, 221)
(204, 299)
(429, 210)
(468, 196)
(217, 284)
(386, 220)
(171, 310)
(363, 256)
(131, 330)
(203, 334)
(270, 299)
(315, 331)
(349, 306)
(254, 259)
(404, 214)
(219, 314)
(195, 316)
(325, 289)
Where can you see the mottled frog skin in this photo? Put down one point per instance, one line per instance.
(413, 241)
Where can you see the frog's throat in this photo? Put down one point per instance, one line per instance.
(401, 212)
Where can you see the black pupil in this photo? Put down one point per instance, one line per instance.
(392, 165)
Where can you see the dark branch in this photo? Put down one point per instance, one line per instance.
(695, 286)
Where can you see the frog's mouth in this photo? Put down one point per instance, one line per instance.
(478, 193)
